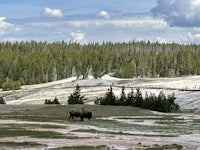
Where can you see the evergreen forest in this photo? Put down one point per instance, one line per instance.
(25, 63)
(159, 103)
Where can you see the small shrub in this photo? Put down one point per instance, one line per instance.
(10, 84)
(55, 101)
(2, 100)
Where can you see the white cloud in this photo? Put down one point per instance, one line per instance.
(104, 14)
(162, 40)
(48, 12)
(179, 12)
(2, 18)
(77, 36)
(135, 22)
(191, 37)
(116, 29)
(5, 26)
(139, 23)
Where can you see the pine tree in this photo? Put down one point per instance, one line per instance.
(138, 98)
(131, 98)
(76, 97)
(109, 98)
(123, 98)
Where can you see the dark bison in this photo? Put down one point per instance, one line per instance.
(82, 114)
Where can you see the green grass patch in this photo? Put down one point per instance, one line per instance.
(196, 120)
(164, 125)
(21, 144)
(166, 147)
(170, 119)
(101, 147)
(32, 126)
(97, 131)
(13, 130)
(46, 126)
(34, 118)
(59, 111)
(36, 134)
(120, 133)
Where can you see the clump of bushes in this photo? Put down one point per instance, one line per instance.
(10, 84)
(160, 103)
(55, 101)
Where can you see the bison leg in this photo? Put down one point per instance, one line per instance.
(71, 116)
(81, 118)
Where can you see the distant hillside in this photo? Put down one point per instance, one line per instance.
(26, 63)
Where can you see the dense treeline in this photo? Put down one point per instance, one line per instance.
(38, 62)
(134, 98)
(159, 103)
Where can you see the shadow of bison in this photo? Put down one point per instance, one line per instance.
(80, 113)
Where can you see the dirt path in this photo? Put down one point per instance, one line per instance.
(94, 139)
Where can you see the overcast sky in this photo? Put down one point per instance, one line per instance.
(100, 20)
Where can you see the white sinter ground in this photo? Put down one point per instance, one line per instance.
(93, 88)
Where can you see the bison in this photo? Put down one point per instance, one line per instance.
(82, 114)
